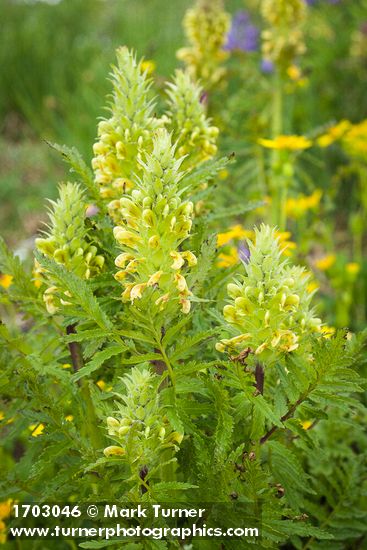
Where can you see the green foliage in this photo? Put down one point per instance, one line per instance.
(118, 398)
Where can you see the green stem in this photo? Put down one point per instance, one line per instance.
(91, 422)
(279, 183)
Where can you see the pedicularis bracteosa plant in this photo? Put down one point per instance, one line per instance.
(143, 372)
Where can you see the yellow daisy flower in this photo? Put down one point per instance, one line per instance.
(286, 143)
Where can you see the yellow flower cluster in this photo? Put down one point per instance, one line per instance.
(355, 140)
(192, 130)
(334, 133)
(5, 512)
(128, 132)
(286, 143)
(152, 225)
(353, 137)
(283, 39)
(206, 26)
(297, 207)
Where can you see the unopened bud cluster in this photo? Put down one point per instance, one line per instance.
(139, 428)
(153, 223)
(283, 39)
(68, 243)
(191, 128)
(206, 26)
(125, 137)
(269, 308)
(128, 132)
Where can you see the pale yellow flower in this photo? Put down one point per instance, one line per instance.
(114, 450)
(286, 143)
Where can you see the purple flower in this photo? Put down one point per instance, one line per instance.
(267, 66)
(243, 252)
(243, 35)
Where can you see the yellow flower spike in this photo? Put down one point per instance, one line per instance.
(114, 450)
(66, 366)
(36, 429)
(286, 143)
(154, 279)
(6, 280)
(353, 268)
(69, 418)
(178, 260)
(325, 263)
